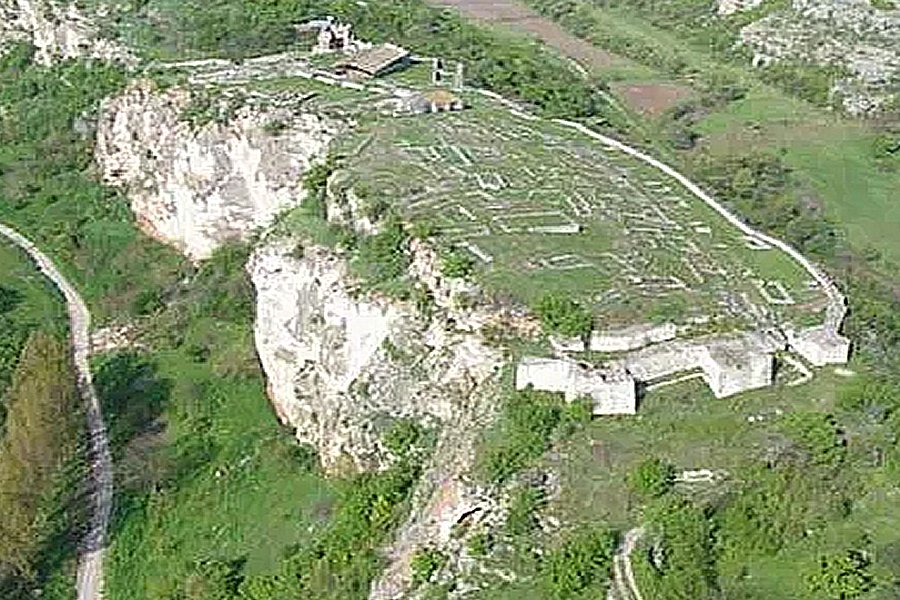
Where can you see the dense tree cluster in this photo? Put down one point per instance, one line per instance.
(40, 442)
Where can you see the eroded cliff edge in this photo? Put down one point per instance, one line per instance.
(198, 185)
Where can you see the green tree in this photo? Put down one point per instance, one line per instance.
(10, 298)
(564, 316)
(687, 569)
(42, 431)
(842, 576)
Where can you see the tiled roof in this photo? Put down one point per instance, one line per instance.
(376, 59)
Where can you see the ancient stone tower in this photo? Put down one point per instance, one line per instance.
(437, 71)
(459, 77)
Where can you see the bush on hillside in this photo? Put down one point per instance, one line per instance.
(564, 316)
(583, 561)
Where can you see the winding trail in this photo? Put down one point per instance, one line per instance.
(89, 582)
(624, 582)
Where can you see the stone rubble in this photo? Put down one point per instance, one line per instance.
(730, 7)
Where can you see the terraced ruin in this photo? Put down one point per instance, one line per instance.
(543, 205)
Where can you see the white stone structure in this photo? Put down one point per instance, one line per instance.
(564, 345)
(820, 346)
(737, 364)
(459, 77)
(632, 338)
(729, 364)
(334, 37)
(613, 391)
(433, 101)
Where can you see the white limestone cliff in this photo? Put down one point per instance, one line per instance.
(58, 31)
(340, 364)
(196, 188)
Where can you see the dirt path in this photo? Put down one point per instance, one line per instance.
(521, 18)
(625, 586)
(648, 98)
(90, 564)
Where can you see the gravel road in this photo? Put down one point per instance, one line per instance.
(90, 563)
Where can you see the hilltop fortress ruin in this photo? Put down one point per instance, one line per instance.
(526, 196)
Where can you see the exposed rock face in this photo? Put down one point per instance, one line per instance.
(196, 188)
(729, 7)
(58, 31)
(340, 366)
(11, 31)
(850, 34)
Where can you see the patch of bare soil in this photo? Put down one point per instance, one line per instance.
(521, 18)
(647, 98)
(651, 98)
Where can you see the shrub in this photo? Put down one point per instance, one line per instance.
(886, 149)
(457, 263)
(524, 506)
(214, 580)
(564, 316)
(343, 560)
(819, 435)
(842, 577)
(382, 260)
(523, 434)
(652, 478)
(480, 544)
(426, 564)
(402, 436)
(583, 561)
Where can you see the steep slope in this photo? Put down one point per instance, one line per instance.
(58, 31)
(197, 186)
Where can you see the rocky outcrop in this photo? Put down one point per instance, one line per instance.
(11, 31)
(196, 187)
(58, 31)
(852, 35)
(340, 365)
(729, 7)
